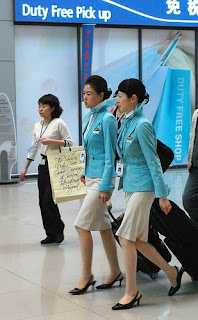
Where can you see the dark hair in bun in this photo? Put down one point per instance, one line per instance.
(134, 86)
(99, 84)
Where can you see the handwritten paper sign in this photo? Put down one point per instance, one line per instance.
(65, 167)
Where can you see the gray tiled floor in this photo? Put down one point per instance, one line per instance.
(35, 279)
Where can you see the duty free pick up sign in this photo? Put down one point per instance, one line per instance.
(181, 13)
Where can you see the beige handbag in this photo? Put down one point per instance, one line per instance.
(65, 167)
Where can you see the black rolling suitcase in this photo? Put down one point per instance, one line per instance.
(181, 235)
(143, 264)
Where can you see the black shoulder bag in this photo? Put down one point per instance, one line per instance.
(165, 154)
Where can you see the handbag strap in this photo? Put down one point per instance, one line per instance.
(113, 218)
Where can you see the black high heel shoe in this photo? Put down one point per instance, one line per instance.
(120, 306)
(77, 291)
(173, 290)
(109, 285)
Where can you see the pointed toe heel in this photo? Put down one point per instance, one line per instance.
(77, 291)
(173, 290)
(120, 306)
(109, 285)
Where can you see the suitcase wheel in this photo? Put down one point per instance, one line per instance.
(153, 276)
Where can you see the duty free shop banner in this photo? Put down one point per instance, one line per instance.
(119, 12)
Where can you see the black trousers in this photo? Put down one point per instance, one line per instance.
(190, 195)
(50, 214)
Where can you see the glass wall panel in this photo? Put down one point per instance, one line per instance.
(115, 55)
(168, 58)
(46, 62)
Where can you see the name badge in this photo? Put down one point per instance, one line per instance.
(129, 139)
(82, 156)
(96, 131)
(32, 148)
(119, 168)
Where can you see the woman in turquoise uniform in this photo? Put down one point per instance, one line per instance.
(99, 137)
(142, 181)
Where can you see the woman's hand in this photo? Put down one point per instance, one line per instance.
(47, 141)
(165, 205)
(104, 197)
(22, 175)
(82, 179)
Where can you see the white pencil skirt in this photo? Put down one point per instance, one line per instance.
(135, 223)
(93, 215)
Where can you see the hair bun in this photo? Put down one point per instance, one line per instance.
(146, 97)
(107, 93)
(109, 89)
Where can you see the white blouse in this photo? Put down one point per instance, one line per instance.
(56, 129)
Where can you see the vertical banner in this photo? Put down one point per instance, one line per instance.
(87, 45)
(173, 118)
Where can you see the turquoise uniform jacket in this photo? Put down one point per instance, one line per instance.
(136, 147)
(100, 148)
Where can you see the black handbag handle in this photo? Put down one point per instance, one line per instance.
(113, 218)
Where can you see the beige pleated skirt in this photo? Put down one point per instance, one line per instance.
(93, 215)
(135, 224)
